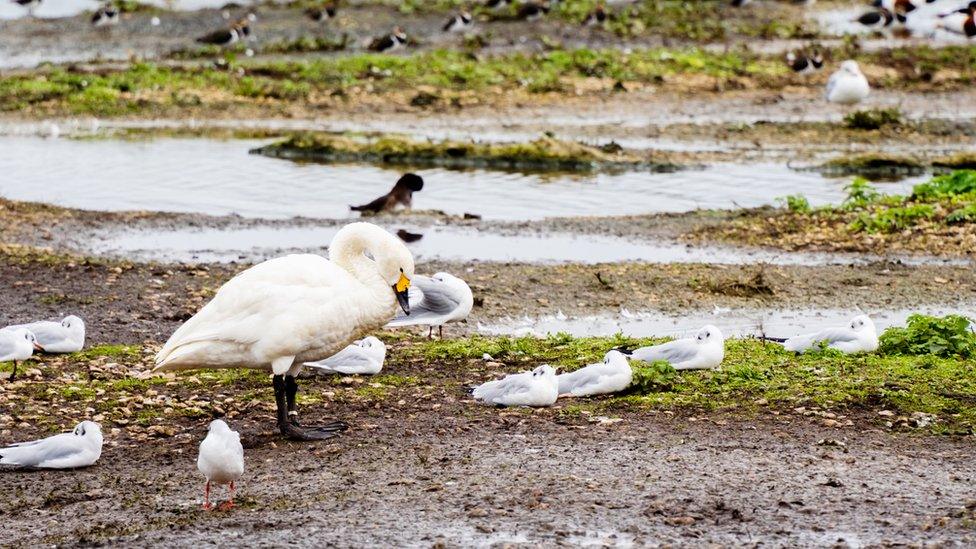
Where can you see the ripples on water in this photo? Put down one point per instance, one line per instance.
(220, 177)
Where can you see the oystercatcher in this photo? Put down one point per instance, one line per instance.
(596, 17)
(458, 22)
(105, 16)
(322, 14)
(389, 42)
(805, 64)
(231, 35)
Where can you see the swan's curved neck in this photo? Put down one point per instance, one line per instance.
(348, 251)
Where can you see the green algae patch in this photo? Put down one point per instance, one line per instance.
(874, 166)
(543, 154)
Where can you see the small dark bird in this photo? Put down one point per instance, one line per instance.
(105, 16)
(231, 35)
(323, 13)
(805, 64)
(531, 11)
(408, 236)
(498, 5)
(458, 23)
(876, 19)
(400, 195)
(389, 42)
(596, 17)
(740, 3)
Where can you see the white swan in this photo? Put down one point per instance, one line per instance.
(704, 351)
(66, 336)
(858, 336)
(848, 85)
(284, 312)
(611, 375)
(365, 356)
(221, 459)
(79, 448)
(435, 301)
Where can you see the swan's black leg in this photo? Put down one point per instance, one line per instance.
(285, 389)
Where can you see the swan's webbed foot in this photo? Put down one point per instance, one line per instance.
(324, 432)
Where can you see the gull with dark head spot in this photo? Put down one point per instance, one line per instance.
(65, 336)
(611, 375)
(704, 351)
(17, 344)
(365, 356)
(534, 388)
(858, 336)
(79, 448)
(436, 301)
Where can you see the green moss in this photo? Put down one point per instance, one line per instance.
(120, 352)
(545, 153)
(873, 119)
(874, 165)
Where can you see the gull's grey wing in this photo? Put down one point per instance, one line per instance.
(835, 335)
(47, 332)
(674, 352)
(437, 301)
(580, 378)
(351, 360)
(510, 385)
(31, 454)
(831, 83)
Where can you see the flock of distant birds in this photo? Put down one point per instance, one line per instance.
(885, 14)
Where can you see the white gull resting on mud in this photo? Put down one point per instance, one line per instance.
(534, 388)
(279, 314)
(79, 448)
(365, 356)
(66, 336)
(435, 301)
(611, 375)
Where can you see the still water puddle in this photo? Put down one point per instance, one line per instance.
(438, 243)
(732, 322)
(219, 177)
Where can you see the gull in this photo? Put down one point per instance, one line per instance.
(848, 85)
(66, 336)
(79, 448)
(17, 344)
(221, 460)
(534, 388)
(610, 376)
(704, 351)
(281, 313)
(859, 335)
(365, 356)
(435, 301)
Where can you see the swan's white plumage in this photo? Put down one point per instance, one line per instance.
(611, 375)
(221, 457)
(286, 311)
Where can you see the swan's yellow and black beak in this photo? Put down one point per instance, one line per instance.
(400, 289)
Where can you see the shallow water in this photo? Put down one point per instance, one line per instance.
(219, 177)
(440, 243)
(732, 323)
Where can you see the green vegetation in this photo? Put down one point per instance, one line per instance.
(873, 119)
(947, 337)
(754, 375)
(797, 203)
(545, 153)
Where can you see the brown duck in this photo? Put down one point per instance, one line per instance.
(401, 193)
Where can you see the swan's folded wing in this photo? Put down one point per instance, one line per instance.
(674, 352)
(278, 292)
